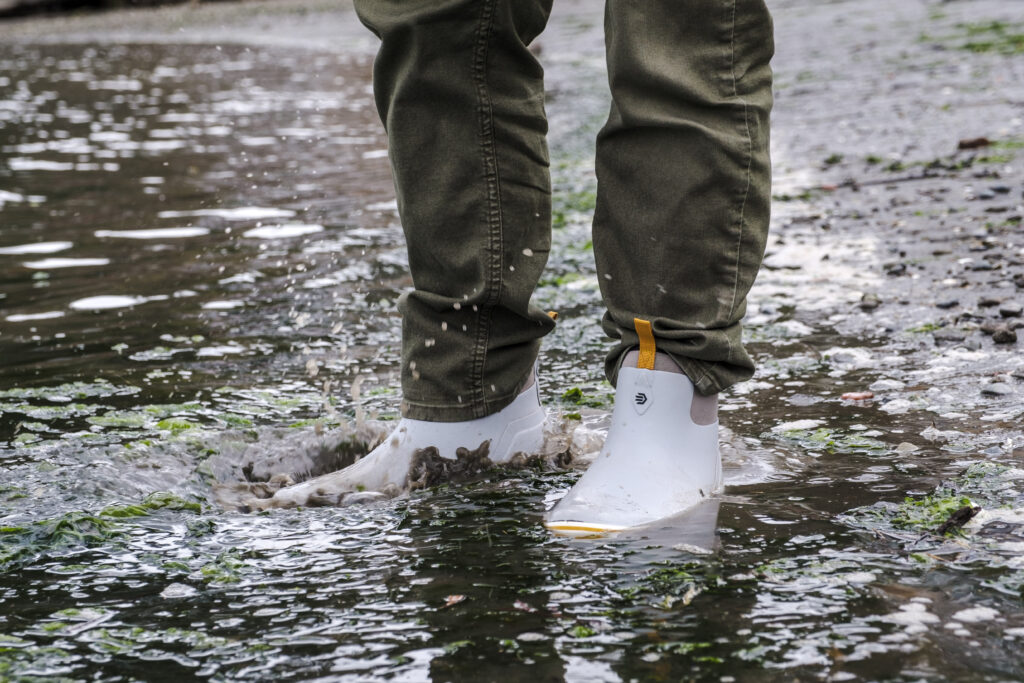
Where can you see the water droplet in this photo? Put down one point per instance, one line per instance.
(527, 252)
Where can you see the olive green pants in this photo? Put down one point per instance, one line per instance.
(683, 186)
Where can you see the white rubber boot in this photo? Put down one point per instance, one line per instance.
(655, 462)
(406, 458)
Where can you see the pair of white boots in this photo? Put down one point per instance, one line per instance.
(656, 461)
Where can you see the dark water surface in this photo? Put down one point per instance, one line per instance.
(199, 256)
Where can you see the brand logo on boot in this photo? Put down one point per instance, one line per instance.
(643, 392)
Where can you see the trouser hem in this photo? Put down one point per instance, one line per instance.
(457, 412)
(708, 377)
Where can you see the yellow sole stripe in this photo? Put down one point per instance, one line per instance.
(556, 526)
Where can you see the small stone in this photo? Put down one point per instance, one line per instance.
(1018, 373)
(973, 143)
(1000, 189)
(857, 396)
(948, 303)
(949, 334)
(1018, 279)
(1011, 309)
(996, 389)
(981, 266)
(1016, 324)
(986, 194)
(869, 302)
(989, 301)
(990, 326)
(895, 268)
(1004, 335)
(972, 343)
(907, 447)
(971, 315)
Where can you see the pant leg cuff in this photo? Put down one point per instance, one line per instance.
(458, 412)
(708, 378)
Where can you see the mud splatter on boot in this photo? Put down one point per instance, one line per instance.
(429, 469)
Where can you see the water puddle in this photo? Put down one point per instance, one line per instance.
(201, 256)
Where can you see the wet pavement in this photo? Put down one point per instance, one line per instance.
(199, 262)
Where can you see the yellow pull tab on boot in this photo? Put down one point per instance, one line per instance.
(647, 348)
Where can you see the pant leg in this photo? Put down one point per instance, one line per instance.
(684, 178)
(462, 100)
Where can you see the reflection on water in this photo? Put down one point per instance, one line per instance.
(229, 260)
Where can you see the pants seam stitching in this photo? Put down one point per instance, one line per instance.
(750, 159)
(493, 205)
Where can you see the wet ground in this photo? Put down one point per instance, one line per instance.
(199, 262)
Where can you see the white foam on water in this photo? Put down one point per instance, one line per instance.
(162, 145)
(914, 616)
(51, 263)
(178, 590)
(861, 577)
(297, 132)
(383, 206)
(24, 317)
(100, 303)
(796, 425)
(13, 197)
(37, 248)
(974, 615)
(242, 213)
(214, 351)
(285, 230)
(222, 305)
(257, 141)
(153, 233)
(247, 277)
(1005, 515)
(119, 84)
(23, 164)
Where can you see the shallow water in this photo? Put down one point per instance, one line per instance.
(199, 262)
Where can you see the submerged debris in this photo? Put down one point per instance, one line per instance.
(957, 519)
(950, 509)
